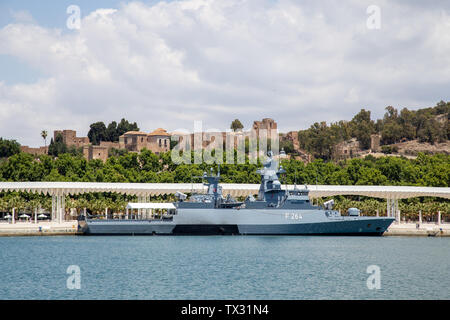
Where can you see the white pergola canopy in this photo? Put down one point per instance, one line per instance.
(234, 189)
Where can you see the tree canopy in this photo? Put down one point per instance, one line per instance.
(100, 132)
(8, 148)
(427, 125)
(236, 125)
(425, 170)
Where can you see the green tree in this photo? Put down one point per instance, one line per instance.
(391, 133)
(319, 140)
(236, 125)
(429, 132)
(97, 133)
(57, 146)
(111, 132)
(22, 167)
(113, 152)
(125, 126)
(149, 161)
(406, 120)
(32, 205)
(8, 147)
(287, 146)
(16, 202)
(362, 128)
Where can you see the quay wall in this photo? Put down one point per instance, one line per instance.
(39, 229)
(415, 229)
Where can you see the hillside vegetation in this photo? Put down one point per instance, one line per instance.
(429, 125)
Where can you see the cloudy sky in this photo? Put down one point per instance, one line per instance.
(166, 64)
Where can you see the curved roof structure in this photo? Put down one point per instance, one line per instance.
(140, 133)
(150, 189)
(159, 132)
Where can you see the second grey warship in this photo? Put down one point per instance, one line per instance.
(274, 212)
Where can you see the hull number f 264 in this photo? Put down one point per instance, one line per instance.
(293, 216)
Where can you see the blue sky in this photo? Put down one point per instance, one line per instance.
(46, 13)
(50, 13)
(167, 64)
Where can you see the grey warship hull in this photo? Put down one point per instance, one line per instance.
(274, 212)
(244, 222)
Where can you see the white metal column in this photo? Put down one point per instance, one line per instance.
(139, 210)
(58, 208)
(53, 208)
(147, 211)
(392, 207)
(63, 209)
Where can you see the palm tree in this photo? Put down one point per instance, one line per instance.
(33, 204)
(82, 203)
(98, 206)
(44, 136)
(71, 203)
(117, 206)
(3, 205)
(16, 202)
(46, 203)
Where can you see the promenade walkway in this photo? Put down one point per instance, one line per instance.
(38, 229)
(430, 229)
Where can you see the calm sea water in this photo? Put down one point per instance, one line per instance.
(215, 267)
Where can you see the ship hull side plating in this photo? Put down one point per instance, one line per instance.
(130, 227)
(245, 222)
(274, 212)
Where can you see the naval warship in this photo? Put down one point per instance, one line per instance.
(276, 211)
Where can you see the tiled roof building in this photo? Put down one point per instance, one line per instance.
(157, 141)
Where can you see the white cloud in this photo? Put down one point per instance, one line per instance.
(168, 64)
